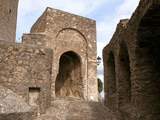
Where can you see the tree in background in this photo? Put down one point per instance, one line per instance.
(100, 85)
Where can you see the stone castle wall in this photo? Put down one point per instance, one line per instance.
(8, 20)
(131, 65)
(64, 33)
(24, 68)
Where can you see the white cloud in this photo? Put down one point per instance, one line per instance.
(75, 6)
(127, 8)
(106, 29)
(36, 7)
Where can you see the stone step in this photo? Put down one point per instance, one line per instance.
(75, 109)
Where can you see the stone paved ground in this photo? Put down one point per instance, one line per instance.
(74, 109)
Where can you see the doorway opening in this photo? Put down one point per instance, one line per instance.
(69, 79)
(34, 98)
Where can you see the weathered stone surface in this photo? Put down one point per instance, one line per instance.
(53, 70)
(8, 20)
(66, 33)
(75, 109)
(35, 39)
(24, 68)
(131, 65)
(68, 81)
(13, 107)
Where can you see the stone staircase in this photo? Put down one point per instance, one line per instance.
(75, 109)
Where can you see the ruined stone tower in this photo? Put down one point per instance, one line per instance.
(73, 40)
(8, 13)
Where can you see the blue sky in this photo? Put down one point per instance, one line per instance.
(107, 14)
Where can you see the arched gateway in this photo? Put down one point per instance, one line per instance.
(69, 79)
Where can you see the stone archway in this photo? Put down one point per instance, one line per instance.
(112, 74)
(110, 82)
(148, 63)
(69, 80)
(124, 79)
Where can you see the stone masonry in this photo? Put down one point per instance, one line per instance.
(132, 65)
(51, 75)
(72, 38)
(27, 68)
(8, 20)
(13, 107)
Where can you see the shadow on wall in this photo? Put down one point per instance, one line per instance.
(110, 89)
(137, 64)
(69, 80)
(148, 60)
(124, 79)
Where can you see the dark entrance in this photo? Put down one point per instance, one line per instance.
(110, 82)
(69, 80)
(124, 80)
